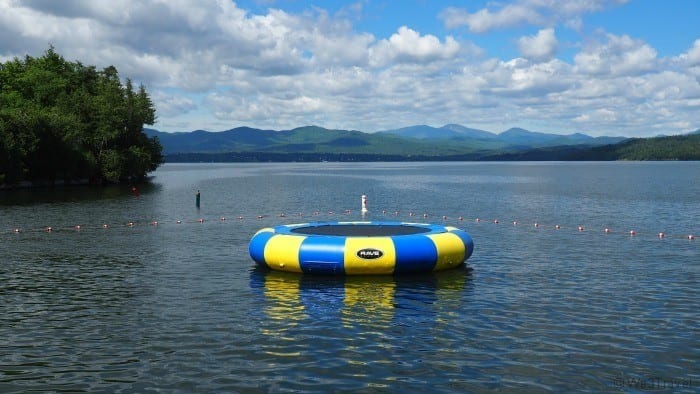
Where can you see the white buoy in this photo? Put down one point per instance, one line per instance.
(364, 203)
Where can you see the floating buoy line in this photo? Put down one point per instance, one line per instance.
(347, 214)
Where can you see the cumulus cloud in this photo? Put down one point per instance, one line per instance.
(485, 20)
(523, 12)
(407, 45)
(617, 55)
(692, 56)
(540, 47)
(599, 114)
(199, 36)
(168, 105)
(520, 80)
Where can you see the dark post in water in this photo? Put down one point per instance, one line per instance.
(196, 201)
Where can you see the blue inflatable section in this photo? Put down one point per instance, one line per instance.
(323, 255)
(256, 248)
(414, 254)
(468, 242)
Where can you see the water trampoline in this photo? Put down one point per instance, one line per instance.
(361, 248)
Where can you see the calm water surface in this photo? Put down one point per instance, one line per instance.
(181, 308)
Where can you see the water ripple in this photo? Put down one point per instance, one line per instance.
(183, 309)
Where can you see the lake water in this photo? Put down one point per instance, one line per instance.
(180, 307)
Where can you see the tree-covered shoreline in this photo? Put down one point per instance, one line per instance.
(63, 122)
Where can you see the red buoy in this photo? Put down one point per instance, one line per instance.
(557, 227)
(632, 233)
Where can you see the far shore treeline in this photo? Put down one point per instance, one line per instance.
(64, 122)
(681, 147)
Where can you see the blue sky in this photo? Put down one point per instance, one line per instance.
(671, 27)
(600, 67)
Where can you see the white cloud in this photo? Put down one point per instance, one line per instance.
(169, 105)
(540, 47)
(618, 55)
(523, 12)
(692, 56)
(485, 20)
(408, 45)
(603, 114)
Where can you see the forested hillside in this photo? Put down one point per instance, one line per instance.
(63, 121)
(680, 147)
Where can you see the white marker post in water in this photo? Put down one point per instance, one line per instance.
(364, 204)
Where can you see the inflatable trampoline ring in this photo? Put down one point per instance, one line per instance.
(357, 248)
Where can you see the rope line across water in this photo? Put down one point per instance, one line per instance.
(349, 215)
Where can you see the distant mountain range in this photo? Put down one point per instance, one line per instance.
(512, 138)
(421, 142)
(414, 140)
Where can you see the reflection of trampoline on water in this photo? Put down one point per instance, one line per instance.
(358, 300)
(352, 248)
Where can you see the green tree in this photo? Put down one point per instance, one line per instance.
(62, 120)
